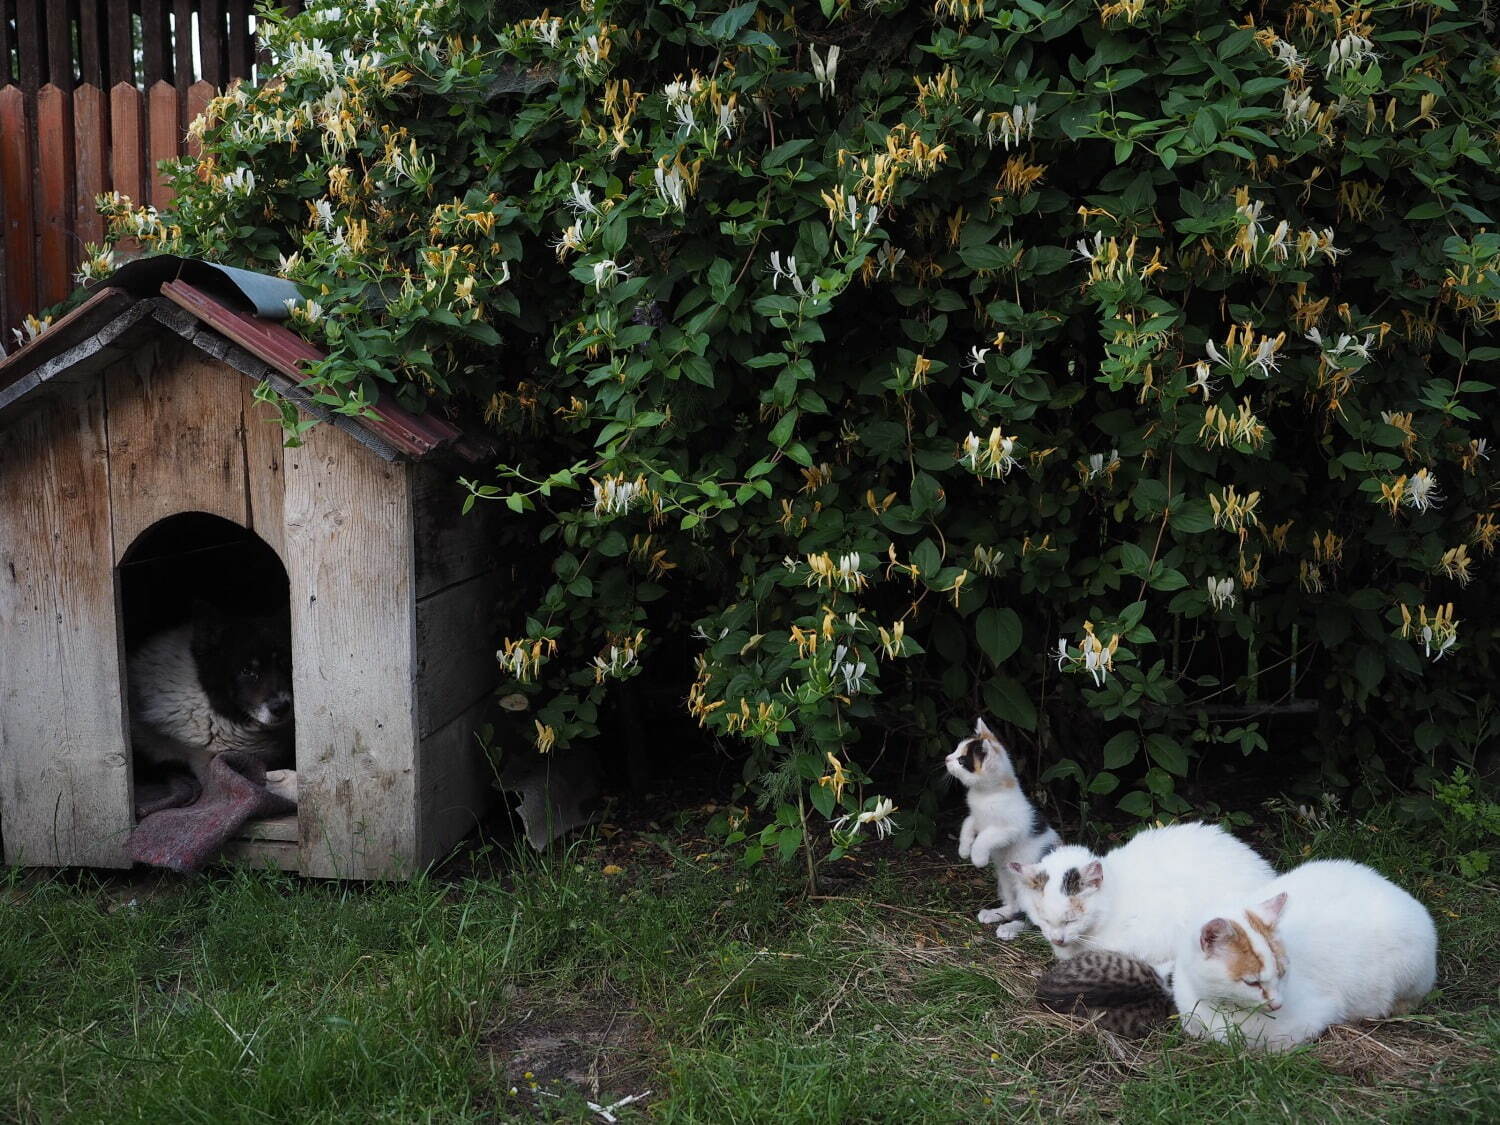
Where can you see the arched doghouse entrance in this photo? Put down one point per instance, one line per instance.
(204, 587)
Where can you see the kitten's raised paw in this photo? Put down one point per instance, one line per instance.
(992, 915)
(1011, 930)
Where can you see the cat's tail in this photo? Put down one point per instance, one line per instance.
(1119, 993)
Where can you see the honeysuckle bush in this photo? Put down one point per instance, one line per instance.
(1117, 371)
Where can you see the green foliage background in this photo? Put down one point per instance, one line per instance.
(1213, 288)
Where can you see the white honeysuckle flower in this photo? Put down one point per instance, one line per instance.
(581, 200)
(851, 672)
(1278, 247)
(615, 495)
(672, 188)
(1221, 592)
(887, 258)
(1287, 56)
(607, 272)
(976, 360)
(879, 816)
(1215, 354)
(1422, 491)
(825, 70)
(1062, 652)
(1250, 212)
(323, 213)
(1349, 51)
(239, 182)
(1265, 358)
(1480, 447)
(972, 447)
(1201, 381)
(1087, 253)
(727, 120)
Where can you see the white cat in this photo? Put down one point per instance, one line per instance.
(1139, 898)
(1002, 826)
(1329, 942)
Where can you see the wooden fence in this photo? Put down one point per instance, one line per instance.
(93, 93)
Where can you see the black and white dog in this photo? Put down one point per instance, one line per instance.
(216, 683)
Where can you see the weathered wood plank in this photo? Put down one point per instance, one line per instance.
(121, 44)
(15, 205)
(282, 855)
(90, 139)
(175, 440)
(165, 139)
(64, 756)
(30, 65)
(156, 43)
(59, 48)
(451, 546)
(348, 550)
(282, 828)
(457, 784)
(55, 188)
(263, 468)
(211, 41)
(182, 42)
(455, 651)
(91, 44)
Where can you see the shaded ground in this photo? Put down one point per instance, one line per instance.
(512, 987)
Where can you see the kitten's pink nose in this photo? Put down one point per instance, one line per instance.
(1274, 1005)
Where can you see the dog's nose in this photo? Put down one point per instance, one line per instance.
(280, 707)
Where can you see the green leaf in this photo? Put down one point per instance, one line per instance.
(998, 632)
(1007, 700)
(782, 431)
(1168, 753)
(1137, 803)
(1369, 668)
(727, 26)
(1121, 749)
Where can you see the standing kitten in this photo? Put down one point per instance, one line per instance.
(1002, 826)
(1330, 941)
(1118, 993)
(1139, 898)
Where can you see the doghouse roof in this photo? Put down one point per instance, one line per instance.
(225, 312)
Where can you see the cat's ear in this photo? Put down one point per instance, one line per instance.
(1032, 874)
(1092, 876)
(982, 729)
(1270, 910)
(1022, 869)
(1214, 934)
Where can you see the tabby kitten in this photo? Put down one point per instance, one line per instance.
(1119, 993)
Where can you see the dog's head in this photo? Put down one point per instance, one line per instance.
(245, 664)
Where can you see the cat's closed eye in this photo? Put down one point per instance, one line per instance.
(1251, 983)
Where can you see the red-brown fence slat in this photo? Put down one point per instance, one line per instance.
(30, 64)
(212, 44)
(127, 148)
(90, 143)
(165, 138)
(198, 96)
(156, 42)
(54, 181)
(16, 193)
(182, 43)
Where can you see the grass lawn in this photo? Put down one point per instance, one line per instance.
(518, 988)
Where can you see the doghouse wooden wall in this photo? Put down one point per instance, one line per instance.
(64, 755)
(391, 596)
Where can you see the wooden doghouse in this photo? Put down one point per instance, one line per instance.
(138, 407)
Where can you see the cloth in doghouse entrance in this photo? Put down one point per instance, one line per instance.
(184, 833)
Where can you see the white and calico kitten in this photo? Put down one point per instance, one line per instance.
(1002, 826)
(1330, 941)
(1138, 899)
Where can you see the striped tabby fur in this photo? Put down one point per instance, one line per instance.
(1119, 993)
